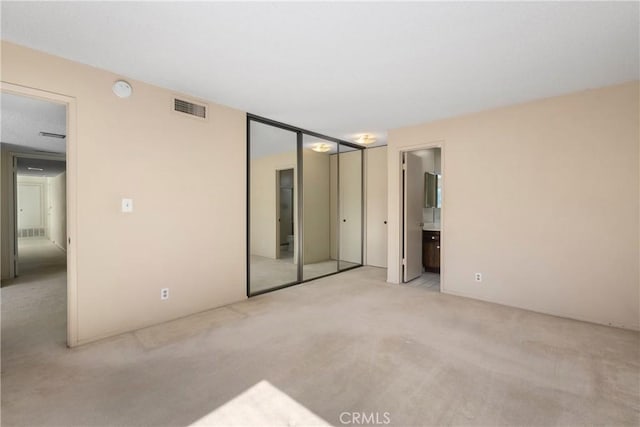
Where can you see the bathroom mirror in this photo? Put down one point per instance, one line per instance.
(432, 187)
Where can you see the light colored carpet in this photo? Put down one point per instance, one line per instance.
(345, 343)
(37, 256)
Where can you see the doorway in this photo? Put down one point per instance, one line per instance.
(285, 191)
(38, 253)
(41, 225)
(421, 217)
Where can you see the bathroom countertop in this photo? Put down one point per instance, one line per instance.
(431, 226)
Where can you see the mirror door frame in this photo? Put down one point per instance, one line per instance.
(299, 167)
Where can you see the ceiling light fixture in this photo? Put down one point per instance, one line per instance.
(365, 140)
(53, 135)
(35, 169)
(122, 89)
(321, 147)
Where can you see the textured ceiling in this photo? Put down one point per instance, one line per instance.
(24, 118)
(345, 68)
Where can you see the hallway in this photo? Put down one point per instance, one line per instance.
(34, 309)
(38, 256)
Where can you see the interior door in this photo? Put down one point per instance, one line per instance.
(413, 203)
(350, 192)
(30, 206)
(377, 206)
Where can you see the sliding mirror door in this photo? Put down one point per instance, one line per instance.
(349, 177)
(273, 217)
(319, 237)
(304, 205)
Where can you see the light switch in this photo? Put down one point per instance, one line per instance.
(127, 205)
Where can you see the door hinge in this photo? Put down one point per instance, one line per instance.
(404, 261)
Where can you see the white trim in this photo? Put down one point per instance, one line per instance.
(72, 202)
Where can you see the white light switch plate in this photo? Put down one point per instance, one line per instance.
(127, 205)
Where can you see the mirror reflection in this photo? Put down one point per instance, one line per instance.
(432, 190)
(272, 202)
(349, 165)
(305, 205)
(319, 207)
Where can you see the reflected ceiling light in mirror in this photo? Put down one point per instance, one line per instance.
(365, 139)
(321, 147)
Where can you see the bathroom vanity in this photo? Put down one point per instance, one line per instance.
(431, 250)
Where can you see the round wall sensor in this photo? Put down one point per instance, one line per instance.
(122, 89)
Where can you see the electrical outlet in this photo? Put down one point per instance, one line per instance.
(164, 293)
(478, 277)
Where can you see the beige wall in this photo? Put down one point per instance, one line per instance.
(264, 235)
(186, 178)
(542, 199)
(57, 210)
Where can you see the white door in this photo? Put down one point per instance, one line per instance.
(350, 221)
(30, 212)
(413, 203)
(377, 206)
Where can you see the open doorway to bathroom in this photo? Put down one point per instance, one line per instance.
(285, 206)
(422, 212)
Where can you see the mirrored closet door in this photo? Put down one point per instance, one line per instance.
(273, 217)
(304, 205)
(319, 237)
(350, 206)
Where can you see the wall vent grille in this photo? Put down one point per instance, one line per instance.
(190, 108)
(31, 232)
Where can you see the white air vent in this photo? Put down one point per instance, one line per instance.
(31, 232)
(190, 108)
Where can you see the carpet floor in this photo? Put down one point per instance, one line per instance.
(336, 348)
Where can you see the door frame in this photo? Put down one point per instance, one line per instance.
(399, 208)
(71, 195)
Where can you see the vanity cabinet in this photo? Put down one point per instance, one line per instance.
(431, 251)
